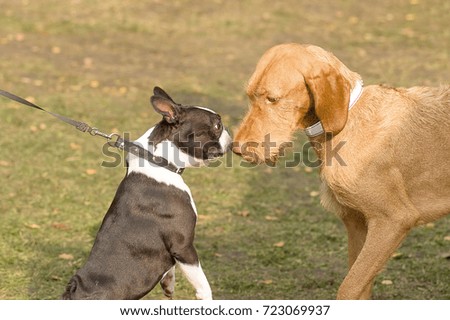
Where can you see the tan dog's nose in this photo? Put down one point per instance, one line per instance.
(236, 148)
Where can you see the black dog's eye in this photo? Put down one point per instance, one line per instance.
(218, 126)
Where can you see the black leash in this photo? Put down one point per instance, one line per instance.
(113, 139)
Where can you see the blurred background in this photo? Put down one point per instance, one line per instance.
(262, 233)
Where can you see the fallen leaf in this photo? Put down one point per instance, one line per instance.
(31, 99)
(25, 80)
(91, 171)
(60, 226)
(244, 213)
(408, 32)
(279, 244)
(33, 226)
(75, 146)
(56, 50)
(268, 170)
(447, 238)
(20, 37)
(368, 36)
(123, 90)
(42, 126)
(314, 193)
(70, 159)
(387, 282)
(56, 278)
(33, 128)
(410, 17)
(353, 20)
(4, 163)
(390, 17)
(87, 62)
(65, 256)
(430, 225)
(270, 218)
(267, 281)
(397, 255)
(216, 254)
(94, 84)
(308, 169)
(218, 230)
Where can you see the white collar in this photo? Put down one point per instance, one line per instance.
(317, 129)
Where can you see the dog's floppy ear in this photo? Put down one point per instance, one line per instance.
(329, 88)
(164, 105)
(331, 94)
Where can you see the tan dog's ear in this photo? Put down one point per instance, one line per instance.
(331, 94)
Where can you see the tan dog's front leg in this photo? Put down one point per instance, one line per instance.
(356, 232)
(383, 238)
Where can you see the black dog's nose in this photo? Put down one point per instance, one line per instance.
(215, 153)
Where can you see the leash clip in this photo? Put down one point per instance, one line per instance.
(114, 139)
(95, 132)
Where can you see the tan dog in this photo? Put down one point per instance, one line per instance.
(394, 171)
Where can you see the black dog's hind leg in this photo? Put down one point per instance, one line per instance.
(168, 283)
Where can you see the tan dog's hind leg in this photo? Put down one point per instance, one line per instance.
(383, 238)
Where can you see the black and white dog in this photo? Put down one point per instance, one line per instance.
(149, 227)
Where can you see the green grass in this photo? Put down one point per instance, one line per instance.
(260, 234)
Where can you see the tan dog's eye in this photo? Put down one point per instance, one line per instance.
(272, 99)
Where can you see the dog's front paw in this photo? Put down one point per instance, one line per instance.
(204, 295)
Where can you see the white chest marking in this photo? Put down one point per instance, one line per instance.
(138, 165)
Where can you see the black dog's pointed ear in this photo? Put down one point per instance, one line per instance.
(164, 105)
(157, 91)
(167, 108)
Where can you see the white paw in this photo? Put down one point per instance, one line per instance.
(204, 295)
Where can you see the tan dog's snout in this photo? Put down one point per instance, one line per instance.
(259, 148)
(247, 150)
